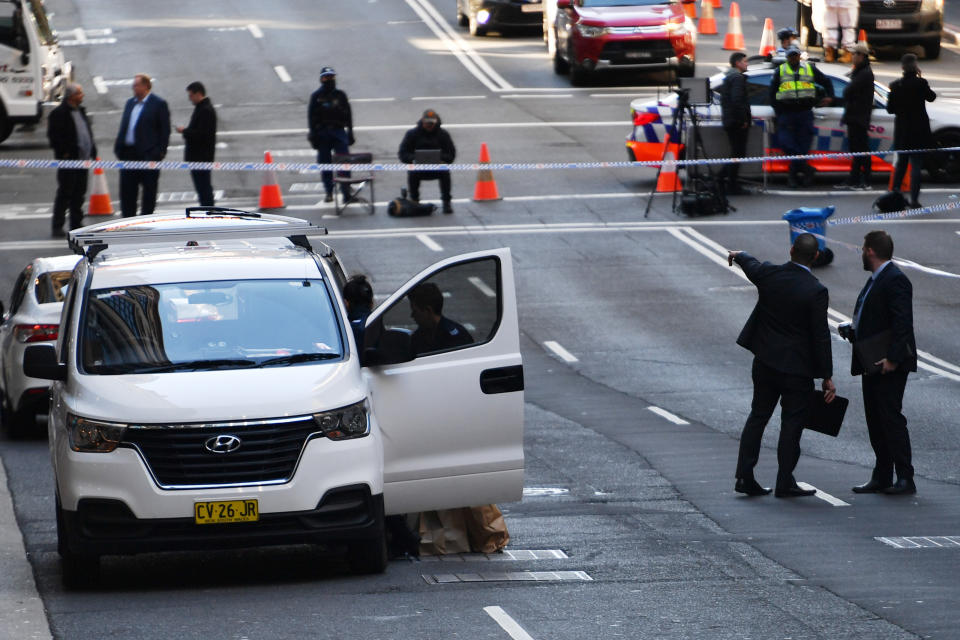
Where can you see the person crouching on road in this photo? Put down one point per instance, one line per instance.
(71, 138)
(911, 124)
(429, 134)
(857, 111)
(735, 107)
(200, 138)
(794, 91)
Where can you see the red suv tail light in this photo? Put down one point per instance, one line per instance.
(36, 332)
(641, 118)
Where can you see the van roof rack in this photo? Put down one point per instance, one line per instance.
(169, 229)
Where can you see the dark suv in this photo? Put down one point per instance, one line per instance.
(903, 23)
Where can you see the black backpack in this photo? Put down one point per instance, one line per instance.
(403, 207)
(890, 201)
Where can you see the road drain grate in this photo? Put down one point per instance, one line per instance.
(508, 576)
(922, 542)
(505, 556)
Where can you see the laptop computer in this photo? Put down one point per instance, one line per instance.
(427, 156)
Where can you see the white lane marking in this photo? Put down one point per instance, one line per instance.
(663, 413)
(475, 125)
(507, 623)
(80, 35)
(823, 495)
(99, 84)
(564, 355)
(282, 72)
(255, 31)
(429, 242)
(621, 95)
(372, 99)
(482, 286)
(422, 98)
(87, 41)
(523, 96)
(467, 56)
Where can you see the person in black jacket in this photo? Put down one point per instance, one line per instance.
(428, 134)
(735, 109)
(885, 304)
(200, 136)
(71, 138)
(330, 121)
(857, 111)
(911, 125)
(790, 340)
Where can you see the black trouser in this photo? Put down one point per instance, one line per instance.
(860, 165)
(203, 187)
(71, 191)
(770, 385)
(414, 178)
(882, 407)
(130, 181)
(915, 161)
(737, 136)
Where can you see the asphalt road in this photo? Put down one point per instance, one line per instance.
(646, 310)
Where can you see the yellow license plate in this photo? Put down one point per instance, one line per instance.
(226, 511)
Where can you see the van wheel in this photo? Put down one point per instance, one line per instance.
(77, 570)
(560, 66)
(6, 126)
(932, 50)
(368, 556)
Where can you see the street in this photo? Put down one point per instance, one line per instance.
(636, 391)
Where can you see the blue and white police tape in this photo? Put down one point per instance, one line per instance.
(302, 167)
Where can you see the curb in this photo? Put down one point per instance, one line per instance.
(21, 610)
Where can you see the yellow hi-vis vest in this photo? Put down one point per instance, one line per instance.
(796, 86)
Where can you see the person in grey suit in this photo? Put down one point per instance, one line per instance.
(885, 304)
(790, 341)
(144, 134)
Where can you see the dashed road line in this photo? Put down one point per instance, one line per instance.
(524, 96)
(508, 624)
(437, 98)
(429, 242)
(542, 492)
(507, 555)
(255, 31)
(282, 73)
(99, 84)
(564, 355)
(508, 576)
(823, 495)
(663, 413)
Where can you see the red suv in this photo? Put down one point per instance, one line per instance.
(623, 34)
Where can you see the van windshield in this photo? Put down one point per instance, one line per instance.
(202, 326)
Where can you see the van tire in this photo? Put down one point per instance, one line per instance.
(932, 49)
(6, 126)
(368, 556)
(77, 570)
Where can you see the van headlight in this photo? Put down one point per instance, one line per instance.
(931, 5)
(346, 423)
(93, 436)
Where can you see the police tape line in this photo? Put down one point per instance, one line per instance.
(306, 167)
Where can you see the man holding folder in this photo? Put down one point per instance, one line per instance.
(789, 337)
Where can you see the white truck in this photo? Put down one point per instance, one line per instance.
(33, 71)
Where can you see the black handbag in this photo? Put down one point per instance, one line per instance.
(890, 201)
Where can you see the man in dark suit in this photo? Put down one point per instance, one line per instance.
(144, 134)
(790, 340)
(200, 136)
(71, 138)
(885, 304)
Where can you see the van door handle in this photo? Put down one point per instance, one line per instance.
(502, 379)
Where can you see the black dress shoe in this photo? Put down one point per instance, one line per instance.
(750, 487)
(793, 492)
(872, 487)
(902, 487)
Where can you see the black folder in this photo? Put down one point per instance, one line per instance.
(825, 417)
(872, 350)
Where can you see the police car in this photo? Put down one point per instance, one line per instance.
(652, 122)
(207, 393)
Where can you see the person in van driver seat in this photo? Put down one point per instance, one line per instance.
(434, 331)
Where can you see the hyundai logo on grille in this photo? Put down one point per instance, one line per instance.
(889, 4)
(222, 444)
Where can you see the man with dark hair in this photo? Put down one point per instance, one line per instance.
(884, 313)
(143, 135)
(434, 331)
(790, 340)
(857, 111)
(358, 298)
(429, 134)
(735, 109)
(330, 123)
(200, 136)
(71, 138)
(911, 124)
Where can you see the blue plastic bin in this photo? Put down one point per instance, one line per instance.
(811, 220)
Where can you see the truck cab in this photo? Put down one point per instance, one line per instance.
(33, 71)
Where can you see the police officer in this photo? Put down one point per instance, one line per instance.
(794, 91)
(787, 36)
(331, 125)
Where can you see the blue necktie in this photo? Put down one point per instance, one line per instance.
(857, 307)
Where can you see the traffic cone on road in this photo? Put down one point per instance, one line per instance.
(100, 204)
(690, 9)
(486, 188)
(717, 4)
(707, 25)
(862, 38)
(767, 43)
(733, 41)
(668, 181)
(270, 197)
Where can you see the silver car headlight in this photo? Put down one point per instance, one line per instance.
(93, 436)
(590, 32)
(346, 423)
(931, 5)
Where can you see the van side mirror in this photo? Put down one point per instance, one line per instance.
(40, 361)
(393, 347)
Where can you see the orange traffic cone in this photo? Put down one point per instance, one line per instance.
(862, 38)
(668, 181)
(690, 9)
(270, 197)
(767, 43)
(486, 188)
(717, 4)
(733, 41)
(100, 204)
(707, 25)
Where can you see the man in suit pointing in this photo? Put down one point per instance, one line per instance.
(143, 135)
(790, 341)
